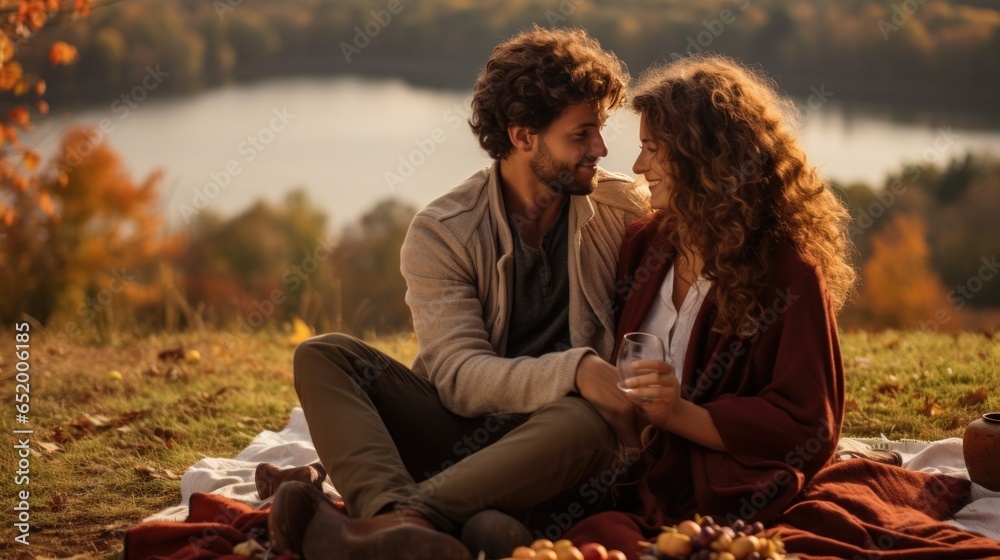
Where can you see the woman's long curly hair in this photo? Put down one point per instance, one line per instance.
(742, 183)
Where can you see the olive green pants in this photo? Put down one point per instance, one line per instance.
(385, 439)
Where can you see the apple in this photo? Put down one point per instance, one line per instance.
(594, 551)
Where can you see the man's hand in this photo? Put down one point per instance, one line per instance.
(597, 381)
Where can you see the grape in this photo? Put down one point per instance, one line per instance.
(704, 539)
(739, 524)
(757, 527)
(707, 520)
(729, 532)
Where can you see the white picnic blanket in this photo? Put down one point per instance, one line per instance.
(293, 446)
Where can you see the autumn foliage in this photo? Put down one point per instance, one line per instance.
(899, 287)
(21, 93)
(85, 241)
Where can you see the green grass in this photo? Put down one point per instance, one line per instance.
(105, 479)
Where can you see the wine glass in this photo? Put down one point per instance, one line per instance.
(637, 346)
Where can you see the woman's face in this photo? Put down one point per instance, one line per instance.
(652, 164)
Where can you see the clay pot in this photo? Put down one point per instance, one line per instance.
(981, 446)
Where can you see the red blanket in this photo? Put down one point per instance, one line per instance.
(214, 526)
(862, 509)
(856, 509)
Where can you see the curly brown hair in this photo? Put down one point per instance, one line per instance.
(530, 80)
(744, 183)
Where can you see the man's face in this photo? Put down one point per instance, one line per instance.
(566, 155)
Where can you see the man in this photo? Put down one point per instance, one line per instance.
(509, 280)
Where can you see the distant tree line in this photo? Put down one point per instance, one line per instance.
(97, 260)
(927, 51)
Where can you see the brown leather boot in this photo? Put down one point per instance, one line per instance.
(494, 533)
(268, 477)
(304, 521)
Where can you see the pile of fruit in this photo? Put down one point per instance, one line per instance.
(544, 549)
(703, 539)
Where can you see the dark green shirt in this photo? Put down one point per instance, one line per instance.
(539, 312)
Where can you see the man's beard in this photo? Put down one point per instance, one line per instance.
(559, 177)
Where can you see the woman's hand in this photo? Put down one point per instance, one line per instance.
(656, 392)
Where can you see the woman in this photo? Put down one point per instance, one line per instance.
(740, 269)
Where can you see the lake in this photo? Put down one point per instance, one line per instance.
(351, 142)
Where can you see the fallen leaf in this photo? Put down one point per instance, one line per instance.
(893, 344)
(60, 435)
(58, 502)
(49, 447)
(167, 436)
(152, 473)
(88, 424)
(128, 417)
(930, 408)
(300, 332)
(974, 397)
(851, 405)
(889, 388)
(171, 354)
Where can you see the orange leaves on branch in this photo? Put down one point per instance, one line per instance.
(45, 203)
(11, 74)
(30, 160)
(6, 49)
(33, 14)
(19, 116)
(7, 216)
(62, 53)
(81, 7)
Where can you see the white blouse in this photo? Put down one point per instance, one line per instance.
(673, 327)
